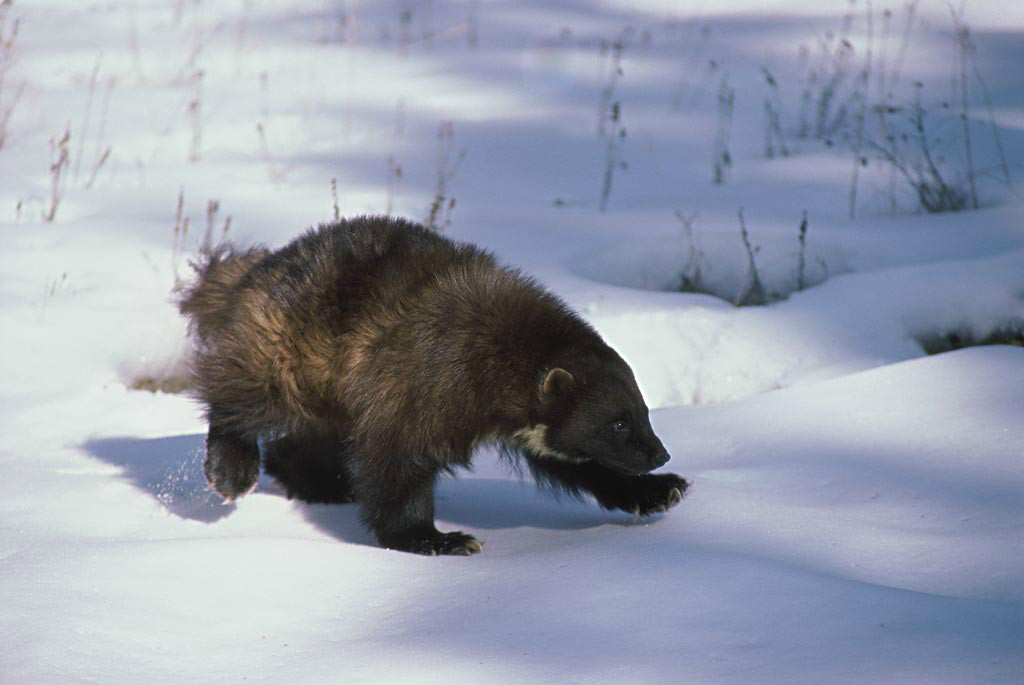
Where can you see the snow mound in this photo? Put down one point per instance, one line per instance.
(863, 528)
(687, 351)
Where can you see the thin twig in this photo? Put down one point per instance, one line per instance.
(754, 293)
(862, 88)
(691, 280)
(800, 282)
(962, 37)
(58, 165)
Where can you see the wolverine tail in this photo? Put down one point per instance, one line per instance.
(217, 273)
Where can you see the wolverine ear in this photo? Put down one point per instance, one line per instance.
(557, 383)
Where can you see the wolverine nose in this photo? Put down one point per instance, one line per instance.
(660, 459)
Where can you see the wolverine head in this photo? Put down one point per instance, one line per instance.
(593, 411)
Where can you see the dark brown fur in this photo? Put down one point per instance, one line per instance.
(376, 354)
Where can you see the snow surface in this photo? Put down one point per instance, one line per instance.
(857, 508)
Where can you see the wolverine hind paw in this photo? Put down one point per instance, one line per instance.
(436, 543)
(455, 543)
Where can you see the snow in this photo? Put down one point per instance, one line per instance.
(856, 511)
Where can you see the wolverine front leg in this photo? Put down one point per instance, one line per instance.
(232, 463)
(642, 495)
(398, 506)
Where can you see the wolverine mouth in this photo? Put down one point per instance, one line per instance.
(636, 471)
(660, 459)
(638, 467)
(619, 467)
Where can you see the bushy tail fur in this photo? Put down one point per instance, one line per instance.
(217, 273)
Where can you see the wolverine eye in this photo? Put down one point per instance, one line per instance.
(620, 427)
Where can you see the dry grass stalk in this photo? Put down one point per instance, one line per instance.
(195, 111)
(721, 160)
(394, 176)
(207, 245)
(751, 292)
(801, 281)
(8, 36)
(275, 173)
(861, 94)
(773, 134)
(691, 280)
(613, 154)
(611, 57)
(440, 210)
(59, 160)
(180, 231)
(96, 168)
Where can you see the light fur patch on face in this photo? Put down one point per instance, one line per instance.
(535, 439)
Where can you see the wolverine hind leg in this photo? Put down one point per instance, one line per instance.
(398, 506)
(310, 466)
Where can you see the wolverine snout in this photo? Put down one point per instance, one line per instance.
(659, 459)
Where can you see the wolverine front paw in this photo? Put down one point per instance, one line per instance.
(652, 494)
(434, 543)
(231, 478)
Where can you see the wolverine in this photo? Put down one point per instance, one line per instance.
(371, 355)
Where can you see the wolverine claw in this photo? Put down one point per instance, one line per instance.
(675, 496)
(661, 493)
(468, 548)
